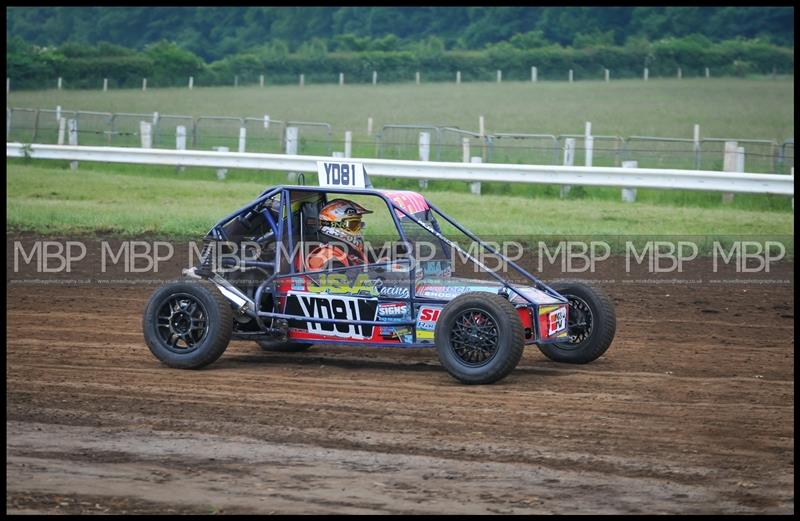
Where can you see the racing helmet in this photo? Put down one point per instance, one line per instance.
(341, 219)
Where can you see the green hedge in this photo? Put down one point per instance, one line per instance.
(165, 64)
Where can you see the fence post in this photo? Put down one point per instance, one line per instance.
(646, 73)
(424, 153)
(8, 85)
(348, 144)
(242, 139)
(730, 163)
(374, 77)
(696, 146)
(482, 134)
(534, 74)
(417, 77)
(588, 142)
(680, 73)
(62, 127)
(8, 122)
(72, 125)
(499, 76)
(180, 141)
(59, 83)
(235, 80)
(608, 75)
(302, 79)
(629, 194)
(569, 160)
(221, 172)
(105, 84)
(145, 134)
(341, 78)
(369, 126)
(458, 77)
(291, 142)
(261, 80)
(191, 82)
(465, 149)
(475, 186)
(708, 72)
(144, 84)
(58, 112)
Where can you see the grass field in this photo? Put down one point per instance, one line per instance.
(53, 200)
(723, 107)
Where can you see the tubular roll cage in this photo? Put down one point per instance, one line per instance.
(277, 229)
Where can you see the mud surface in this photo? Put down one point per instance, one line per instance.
(690, 411)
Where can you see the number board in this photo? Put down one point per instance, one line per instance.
(341, 174)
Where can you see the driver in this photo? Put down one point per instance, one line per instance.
(340, 226)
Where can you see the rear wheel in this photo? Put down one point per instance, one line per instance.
(187, 325)
(278, 346)
(591, 324)
(479, 338)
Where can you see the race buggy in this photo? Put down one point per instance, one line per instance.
(292, 269)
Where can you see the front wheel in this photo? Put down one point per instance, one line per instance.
(187, 325)
(591, 324)
(479, 337)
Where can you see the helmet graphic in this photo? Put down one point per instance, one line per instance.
(341, 219)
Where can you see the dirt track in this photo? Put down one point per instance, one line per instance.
(690, 411)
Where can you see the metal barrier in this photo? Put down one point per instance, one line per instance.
(761, 155)
(470, 172)
(607, 155)
(668, 152)
(314, 136)
(786, 161)
(540, 149)
(402, 141)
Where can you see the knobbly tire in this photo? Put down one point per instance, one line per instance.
(187, 324)
(479, 337)
(278, 346)
(591, 324)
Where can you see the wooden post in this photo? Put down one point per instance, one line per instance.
(730, 163)
(475, 186)
(458, 77)
(144, 84)
(180, 141)
(608, 75)
(534, 74)
(569, 160)
(8, 85)
(221, 172)
(261, 80)
(191, 82)
(482, 134)
(570, 75)
(291, 141)
(588, 142)
(417, 77)
(646, 73)
(499, 76)
(302, 79)
(341, 78)
(465, 149)
(236, 80)
(369, 126)
(680, 73)
(708, 72)
(72, 126)
(424, 153)
(629, 194)
(105, 84)
(145, 134)
(374, 77)
(348, 144)
(59, 83)
(242, 139)
(266, 120)
(58, 112)
(62, 127)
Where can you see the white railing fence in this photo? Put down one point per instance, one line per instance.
(728, 182)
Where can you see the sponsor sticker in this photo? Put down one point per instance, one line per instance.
(426, 321)
(343, 308)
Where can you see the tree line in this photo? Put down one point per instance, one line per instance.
(213, 33)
